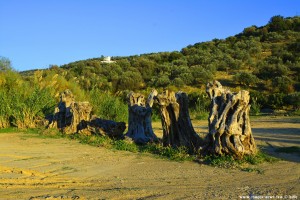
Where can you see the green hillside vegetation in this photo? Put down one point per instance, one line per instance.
(264, 60)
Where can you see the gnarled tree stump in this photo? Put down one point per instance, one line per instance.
(229, 123)
(139, 121)
(75, 117)
(69, 114)
(106, 127)
(176, 123)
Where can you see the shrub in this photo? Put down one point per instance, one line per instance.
(255, 107)
(108, 107)
(5, 64)
(178, 82)
(283, 84)
(30, 107)
(293, 100)
(130, 80)
(161, 81)
(199, 105)
(22, 105)
(245, 78)
(5, 109)
(276, 100)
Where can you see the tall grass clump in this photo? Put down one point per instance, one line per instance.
(107, 106)
(5, 109)
(23, 104)
(199, 106)
(10, 82)
(255, 107)
(56, 83)
(31, 107)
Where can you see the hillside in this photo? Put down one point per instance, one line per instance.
(264, 60)
(57, 144)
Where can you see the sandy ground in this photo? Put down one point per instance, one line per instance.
(36, 168)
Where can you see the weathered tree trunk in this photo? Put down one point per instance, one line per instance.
(69, 113)
(105, 127)
(79, 112)
(75, 117)
(139, 121)
(229, 123)
(176, 123)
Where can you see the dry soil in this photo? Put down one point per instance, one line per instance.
(37, 168)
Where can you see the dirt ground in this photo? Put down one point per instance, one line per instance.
(37, 168)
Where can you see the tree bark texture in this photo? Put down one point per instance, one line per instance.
(176, 123)
(68, 113)
(139, 120)
(76, 117)
(229, 124)
(102, 127)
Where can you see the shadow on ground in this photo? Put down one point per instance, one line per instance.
(283, 143)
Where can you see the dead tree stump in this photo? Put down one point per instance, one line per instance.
(139, 120)
(176, 123)
(105, 127)
(229, 124)
(68, 113)
(76, 117)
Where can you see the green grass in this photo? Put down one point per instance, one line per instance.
(202, 116)
(44, 133)
(35, 132)
(176, 154)
(221, 161)
(259, 158)
(170, 153)
(124, 145)
(230, 162)
(10, 130)
(250, 169)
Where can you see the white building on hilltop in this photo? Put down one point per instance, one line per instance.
(107, 59)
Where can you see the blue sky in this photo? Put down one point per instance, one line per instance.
(37, 33)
